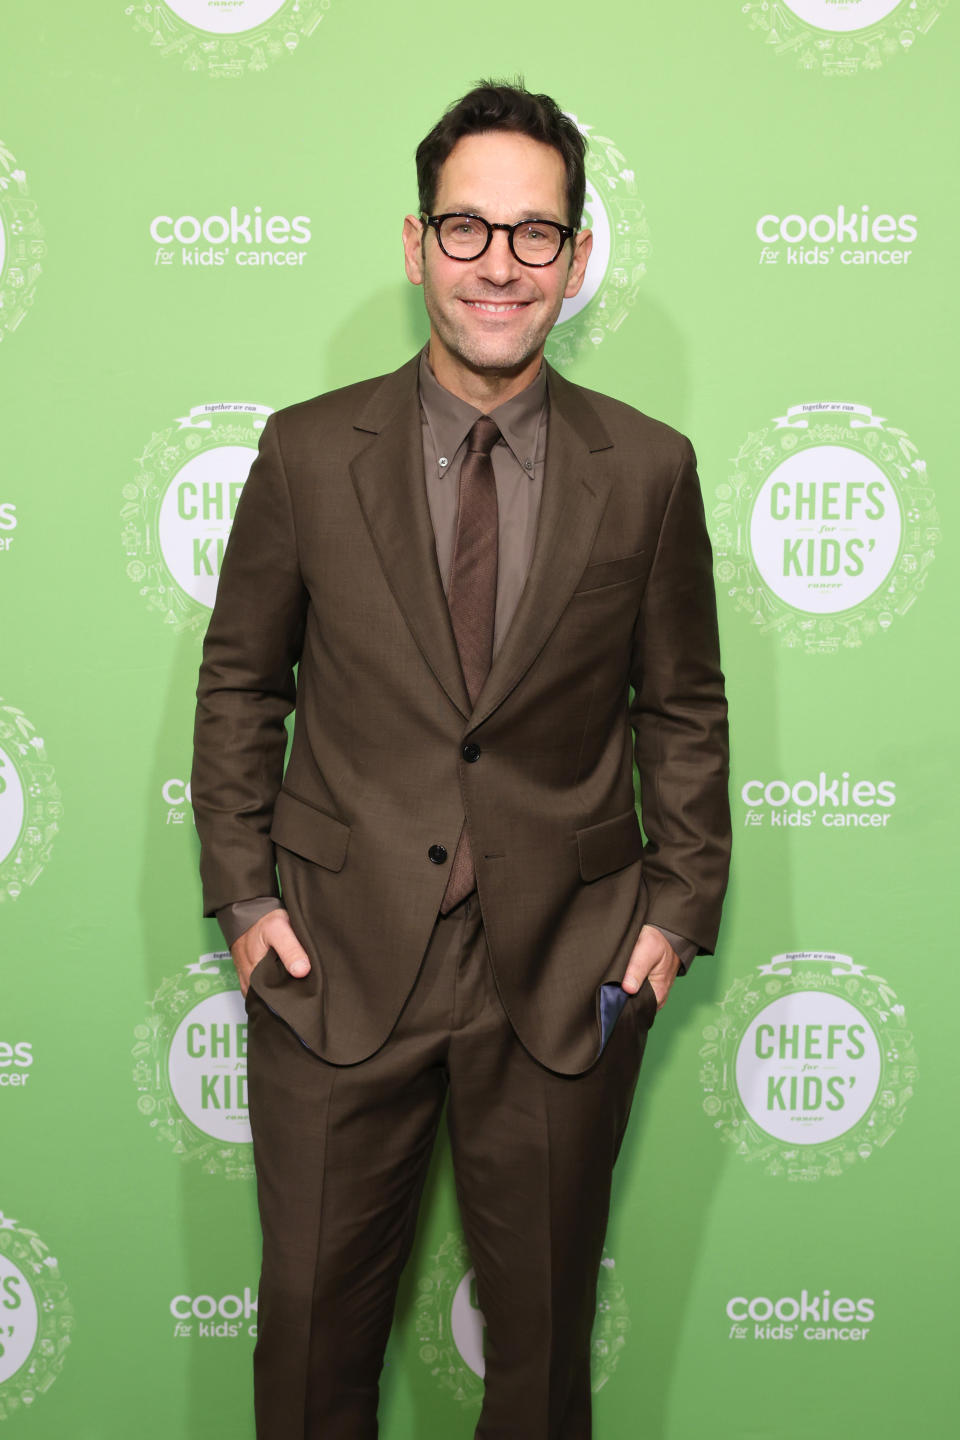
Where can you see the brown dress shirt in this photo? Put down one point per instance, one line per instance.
(518, 460)
(518, 463)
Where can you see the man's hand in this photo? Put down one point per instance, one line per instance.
(272, 931)
(652, 956)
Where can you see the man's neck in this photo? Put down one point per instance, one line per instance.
(484, 390)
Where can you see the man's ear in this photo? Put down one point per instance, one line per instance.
(582, 245)
(413, 238)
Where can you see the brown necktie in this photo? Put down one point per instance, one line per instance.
(472, 599)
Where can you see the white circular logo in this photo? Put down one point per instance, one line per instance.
(597, 219)
(451, 1326)
(178, 512)
(826, 528)
(195, 517)
(842, 15)
(11, 806)
(208, 1067)
(226, 17)
(18, 1319)
(226, 39)
(190, 1067)
(840, 38)
(467, 1324)
(30, 804)
(22, 244)
(615, 213)
(36, 1318)
(808, 1067)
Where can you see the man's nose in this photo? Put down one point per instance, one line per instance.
(498, 264)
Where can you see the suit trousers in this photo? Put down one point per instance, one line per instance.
(341, 1156)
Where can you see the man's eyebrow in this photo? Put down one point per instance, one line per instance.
(527, 214)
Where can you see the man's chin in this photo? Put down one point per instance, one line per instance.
(507, 358)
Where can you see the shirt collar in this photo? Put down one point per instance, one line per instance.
(451, 419)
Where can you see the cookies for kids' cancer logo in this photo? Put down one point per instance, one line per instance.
(226, 38)
(178, 511)
(841, 37)
(809, 1066)
(22, 245)
(825, 529)
(36, 1318)
(615, 213)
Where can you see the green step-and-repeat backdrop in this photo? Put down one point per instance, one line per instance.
(200, 210)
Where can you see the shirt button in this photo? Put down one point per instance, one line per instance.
(470, 753)
(443, 462)
(437, 854)
(528, 464)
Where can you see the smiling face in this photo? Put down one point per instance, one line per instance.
(490, 317)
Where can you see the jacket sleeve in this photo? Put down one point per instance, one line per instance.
(247, 687)
(679, 716)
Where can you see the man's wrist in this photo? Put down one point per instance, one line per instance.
(235, 919)
(685, 949)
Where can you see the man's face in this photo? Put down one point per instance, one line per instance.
(491, 316)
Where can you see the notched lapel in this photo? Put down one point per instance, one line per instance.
(388, 477)
(575, 493)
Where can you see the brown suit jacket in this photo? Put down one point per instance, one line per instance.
(331, 567)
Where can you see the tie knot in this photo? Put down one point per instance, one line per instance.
(484, 434)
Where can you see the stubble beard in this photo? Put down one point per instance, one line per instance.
(492, 355)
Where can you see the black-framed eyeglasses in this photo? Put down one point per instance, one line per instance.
(532, 242)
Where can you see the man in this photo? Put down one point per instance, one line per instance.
(497, 588)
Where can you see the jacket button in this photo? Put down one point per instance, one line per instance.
(470, 753)
(437, 853)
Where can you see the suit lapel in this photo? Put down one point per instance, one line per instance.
(388, 477)
(575, 493)
(387, 474)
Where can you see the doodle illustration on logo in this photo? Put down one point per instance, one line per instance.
(22, 245)
(615, 213)
(36, 1318)
(841, 37)
(451, 1327)
(30, 805)
(825, 531)
(809, 1067)
(178, 511)
(227, 38)
(190, 1067)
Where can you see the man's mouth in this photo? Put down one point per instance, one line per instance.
(496, 307)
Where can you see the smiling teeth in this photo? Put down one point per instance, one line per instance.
(494, 309)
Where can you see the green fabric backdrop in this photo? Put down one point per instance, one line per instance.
(200, 207)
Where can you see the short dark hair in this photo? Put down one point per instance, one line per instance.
(493, 105)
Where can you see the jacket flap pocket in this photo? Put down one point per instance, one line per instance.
(609, 846)
(300, 827)
(613, 572)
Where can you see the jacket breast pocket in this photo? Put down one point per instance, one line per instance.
(607, 573)
(302, 828)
